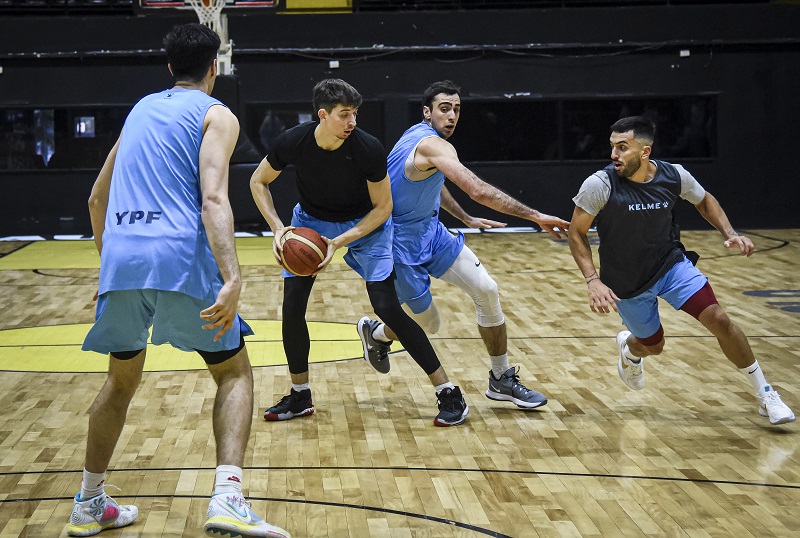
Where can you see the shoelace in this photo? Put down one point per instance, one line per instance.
(380, 347)
(108, 497)
(636, 368)
(515, 382)
(770, 397)
(448, 401)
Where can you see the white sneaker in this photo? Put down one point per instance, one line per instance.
(229, 514)
(91, 516)
(771, 405)
(631, 373)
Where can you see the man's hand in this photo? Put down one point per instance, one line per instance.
(332, 246)
(601, 299)
(746, 247)
(276, 243)
(483, 224)
(549, 223)
(222, 313)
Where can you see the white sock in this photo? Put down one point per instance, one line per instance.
(92, 484)
(301, 386)
(756, 377)
(380, 335)
(499, 364)
(631, 357)
(228, 479)
(440, 388)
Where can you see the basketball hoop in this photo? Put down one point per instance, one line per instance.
(209, 12)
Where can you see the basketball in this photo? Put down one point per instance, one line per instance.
(303, 250)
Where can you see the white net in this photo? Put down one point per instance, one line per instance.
(209, 12)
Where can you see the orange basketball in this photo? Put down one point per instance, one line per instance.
(303, 250)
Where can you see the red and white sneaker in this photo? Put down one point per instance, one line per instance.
(92, 516)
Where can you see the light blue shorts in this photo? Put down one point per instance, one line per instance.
(123, 319)
(640, 313)
(413, 284)
(369, 256)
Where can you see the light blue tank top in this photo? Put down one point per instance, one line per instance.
(154, 237)
(416, 203)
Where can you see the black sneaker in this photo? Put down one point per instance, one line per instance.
(295, 404)
(453, 409)
(375, 351)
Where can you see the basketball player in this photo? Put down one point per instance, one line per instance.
(346, 197)
(423, 247)
(641, 257)
(163, 225)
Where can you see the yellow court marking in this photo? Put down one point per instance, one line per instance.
(83, 254)
(53, 255)
(58, 348)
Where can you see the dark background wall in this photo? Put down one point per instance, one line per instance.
(747, 56)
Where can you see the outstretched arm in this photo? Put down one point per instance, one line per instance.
(219, 139)
(98, 199)
(449, 204)
(601, 298)
(711, 210)
(438, 153)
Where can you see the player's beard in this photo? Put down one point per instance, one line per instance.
(630, 168)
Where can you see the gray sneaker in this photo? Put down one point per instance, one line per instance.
(509, 388)
(375, 351)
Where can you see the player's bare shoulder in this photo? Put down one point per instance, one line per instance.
(222, 118)
(219, 112)
(431, 150)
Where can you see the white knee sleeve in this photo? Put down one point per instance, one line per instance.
(429, 319)
(468, 273)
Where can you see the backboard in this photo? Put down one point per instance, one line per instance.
(211, 13)
(151, 6)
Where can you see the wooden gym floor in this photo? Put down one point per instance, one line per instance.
(687, 456)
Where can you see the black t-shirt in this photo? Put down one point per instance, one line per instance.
(332, 184)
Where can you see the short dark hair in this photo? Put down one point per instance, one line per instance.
(191, 50)
(643, 128)
(334, 91)
(446, 87)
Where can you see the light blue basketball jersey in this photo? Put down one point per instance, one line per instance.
(417, 231)
(154, 237)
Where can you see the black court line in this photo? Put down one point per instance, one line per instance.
(783, 243)
(425, 470)
(450, 522)
(41, 272)
(4, 254)
(401, 350)
(466, 526)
